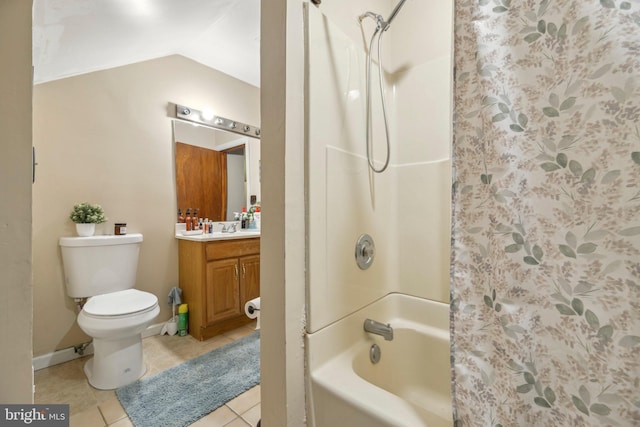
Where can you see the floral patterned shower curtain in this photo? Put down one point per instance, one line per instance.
(545, 304)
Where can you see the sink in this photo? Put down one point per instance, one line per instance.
(219, 235)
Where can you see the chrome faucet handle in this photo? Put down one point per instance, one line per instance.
(232, 228)
(224, 227)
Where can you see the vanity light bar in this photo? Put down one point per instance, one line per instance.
(217, 122)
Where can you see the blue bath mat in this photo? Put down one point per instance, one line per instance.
(185, 393)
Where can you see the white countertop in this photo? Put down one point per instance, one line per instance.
(217, 235)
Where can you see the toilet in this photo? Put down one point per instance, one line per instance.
(103, 269)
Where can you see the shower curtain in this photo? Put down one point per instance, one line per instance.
(545, 272)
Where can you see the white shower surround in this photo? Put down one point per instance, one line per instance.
(407, 208)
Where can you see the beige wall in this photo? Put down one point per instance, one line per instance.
(106, 137)
(16, 377)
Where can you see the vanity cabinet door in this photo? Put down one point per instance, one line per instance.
(249, 278)
(222, 290)
(217, 278)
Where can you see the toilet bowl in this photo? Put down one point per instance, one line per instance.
(116, 322)
(103, 269)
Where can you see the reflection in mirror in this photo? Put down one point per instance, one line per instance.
(217, 172)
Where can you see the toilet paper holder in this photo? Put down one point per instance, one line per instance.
(252, 310)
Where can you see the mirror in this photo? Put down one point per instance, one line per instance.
(217, 172)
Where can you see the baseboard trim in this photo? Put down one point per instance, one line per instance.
(68, 354)
(60, 356)
(153, 330)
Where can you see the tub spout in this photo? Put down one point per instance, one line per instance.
(373, 327)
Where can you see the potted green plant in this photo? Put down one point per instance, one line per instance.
(86, 216)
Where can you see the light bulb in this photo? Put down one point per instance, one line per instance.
(207, 115)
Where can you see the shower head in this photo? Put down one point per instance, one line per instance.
(380, 23)
(383, 25)
(369, 15)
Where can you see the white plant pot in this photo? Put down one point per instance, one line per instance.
(85, 230)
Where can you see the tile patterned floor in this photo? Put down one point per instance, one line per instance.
(90, 407)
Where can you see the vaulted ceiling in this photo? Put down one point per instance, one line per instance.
(72, 37)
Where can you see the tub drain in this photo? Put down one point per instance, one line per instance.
(375, 354)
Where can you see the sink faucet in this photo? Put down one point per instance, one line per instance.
(378, 328)
(231, 228)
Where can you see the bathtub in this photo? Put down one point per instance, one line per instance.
(409, 386)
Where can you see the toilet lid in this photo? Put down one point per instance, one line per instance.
(118, 303)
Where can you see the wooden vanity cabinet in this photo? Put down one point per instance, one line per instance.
(217, 278)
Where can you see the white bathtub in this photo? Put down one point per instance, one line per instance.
(410, 386)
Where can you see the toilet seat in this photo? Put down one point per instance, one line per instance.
(120, 304)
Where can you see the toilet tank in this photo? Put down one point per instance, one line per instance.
(99, 264)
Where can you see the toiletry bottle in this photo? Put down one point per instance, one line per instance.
(194, 219)
(206, 226)
(243, 220)
(211, 227)
(201, 224)
(257, 216)
(180, 217)
(183, 319)
(188, 219)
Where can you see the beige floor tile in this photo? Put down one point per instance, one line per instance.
(238, 422)
(103, 395)
(164, 351)
(89, 418)
(161, 362)
(245, 401)
(159, 347)
(216, 342)
(112, 410)
(90, 407)
(65, 383)
(218, 418)
(240, 332)
(125, 422)
(252, 416)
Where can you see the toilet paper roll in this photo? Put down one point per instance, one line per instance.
(252, 310)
